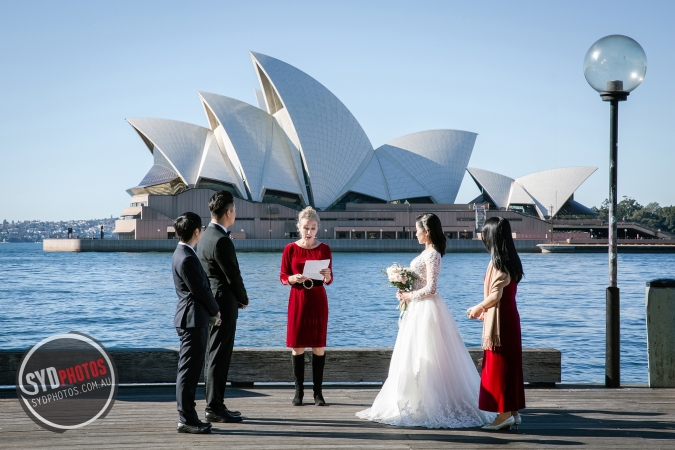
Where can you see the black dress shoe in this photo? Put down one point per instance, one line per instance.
(318, 399)
(222, 416)
(234, 413)
(203, 428)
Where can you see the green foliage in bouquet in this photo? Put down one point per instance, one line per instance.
(402, 278)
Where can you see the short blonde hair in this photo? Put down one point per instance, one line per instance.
(308, 213)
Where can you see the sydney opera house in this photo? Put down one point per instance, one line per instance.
(299, 146)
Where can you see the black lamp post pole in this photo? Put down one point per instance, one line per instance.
(614, 95)
(609, 63)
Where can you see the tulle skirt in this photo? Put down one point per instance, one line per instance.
(432, 380)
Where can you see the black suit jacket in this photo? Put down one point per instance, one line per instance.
(219, 260)
(195, 300)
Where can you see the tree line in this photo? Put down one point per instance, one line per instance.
(651, 215)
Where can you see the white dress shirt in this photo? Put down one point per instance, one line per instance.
(216, 223)
(187, 245)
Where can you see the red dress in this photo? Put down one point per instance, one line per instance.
(501, 380)
(307, 308)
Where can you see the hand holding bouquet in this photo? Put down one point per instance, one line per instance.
(402, 278)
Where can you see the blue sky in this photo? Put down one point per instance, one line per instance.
(509, 71)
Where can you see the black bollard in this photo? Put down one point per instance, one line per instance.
(613, 340)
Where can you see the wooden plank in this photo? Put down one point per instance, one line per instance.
(540, 365)
(343, 365)
(627, 418)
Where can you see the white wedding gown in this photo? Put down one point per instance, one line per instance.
(432, 380)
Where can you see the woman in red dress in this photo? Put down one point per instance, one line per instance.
(501, 387)
(307, 305)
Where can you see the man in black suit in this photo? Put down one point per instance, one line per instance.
(195, 307)
(219, 260)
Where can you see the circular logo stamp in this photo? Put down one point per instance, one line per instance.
(66, 382)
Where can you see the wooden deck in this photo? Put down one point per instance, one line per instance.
(564, 417)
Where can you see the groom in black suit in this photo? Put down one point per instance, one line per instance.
(219, 260)
(195, 307)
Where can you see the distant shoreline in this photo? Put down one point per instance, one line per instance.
(276, 245)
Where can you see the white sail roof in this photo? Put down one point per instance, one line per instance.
(436, 159)
(519, 195)
(214, 165)
(400, 183)
(330, 139)
(180, 143)
(496, 186)
(257, 145)
(158, 174)
(283, 170)
(302, 139)
(550, 189)
(371, 181)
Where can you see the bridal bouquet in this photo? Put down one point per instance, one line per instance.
(402, 278)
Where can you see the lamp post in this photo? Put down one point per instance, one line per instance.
(591, 233)
(550, 212)
(409, 227)
(269, 220)
(614, 66)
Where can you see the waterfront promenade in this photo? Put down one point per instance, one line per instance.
(569, 416)
(360, 245)
(275, 245)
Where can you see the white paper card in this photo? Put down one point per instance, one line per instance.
(312, 268)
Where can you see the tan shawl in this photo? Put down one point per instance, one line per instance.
(493, 287)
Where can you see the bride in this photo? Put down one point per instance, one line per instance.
(432, 380)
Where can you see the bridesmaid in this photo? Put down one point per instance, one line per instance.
(307, 305)
(501, 387)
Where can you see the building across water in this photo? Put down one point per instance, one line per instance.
(301, 146)
(152, 218)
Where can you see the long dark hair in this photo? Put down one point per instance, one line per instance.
(498, 240)
(432, 224)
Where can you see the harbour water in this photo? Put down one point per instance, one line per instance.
(127, 300)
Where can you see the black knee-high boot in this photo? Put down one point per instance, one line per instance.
(318, 363)
(299, 375)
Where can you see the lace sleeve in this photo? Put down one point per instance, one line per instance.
(433, 268)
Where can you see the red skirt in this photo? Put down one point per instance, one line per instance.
(307, 317)
(501, 382)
